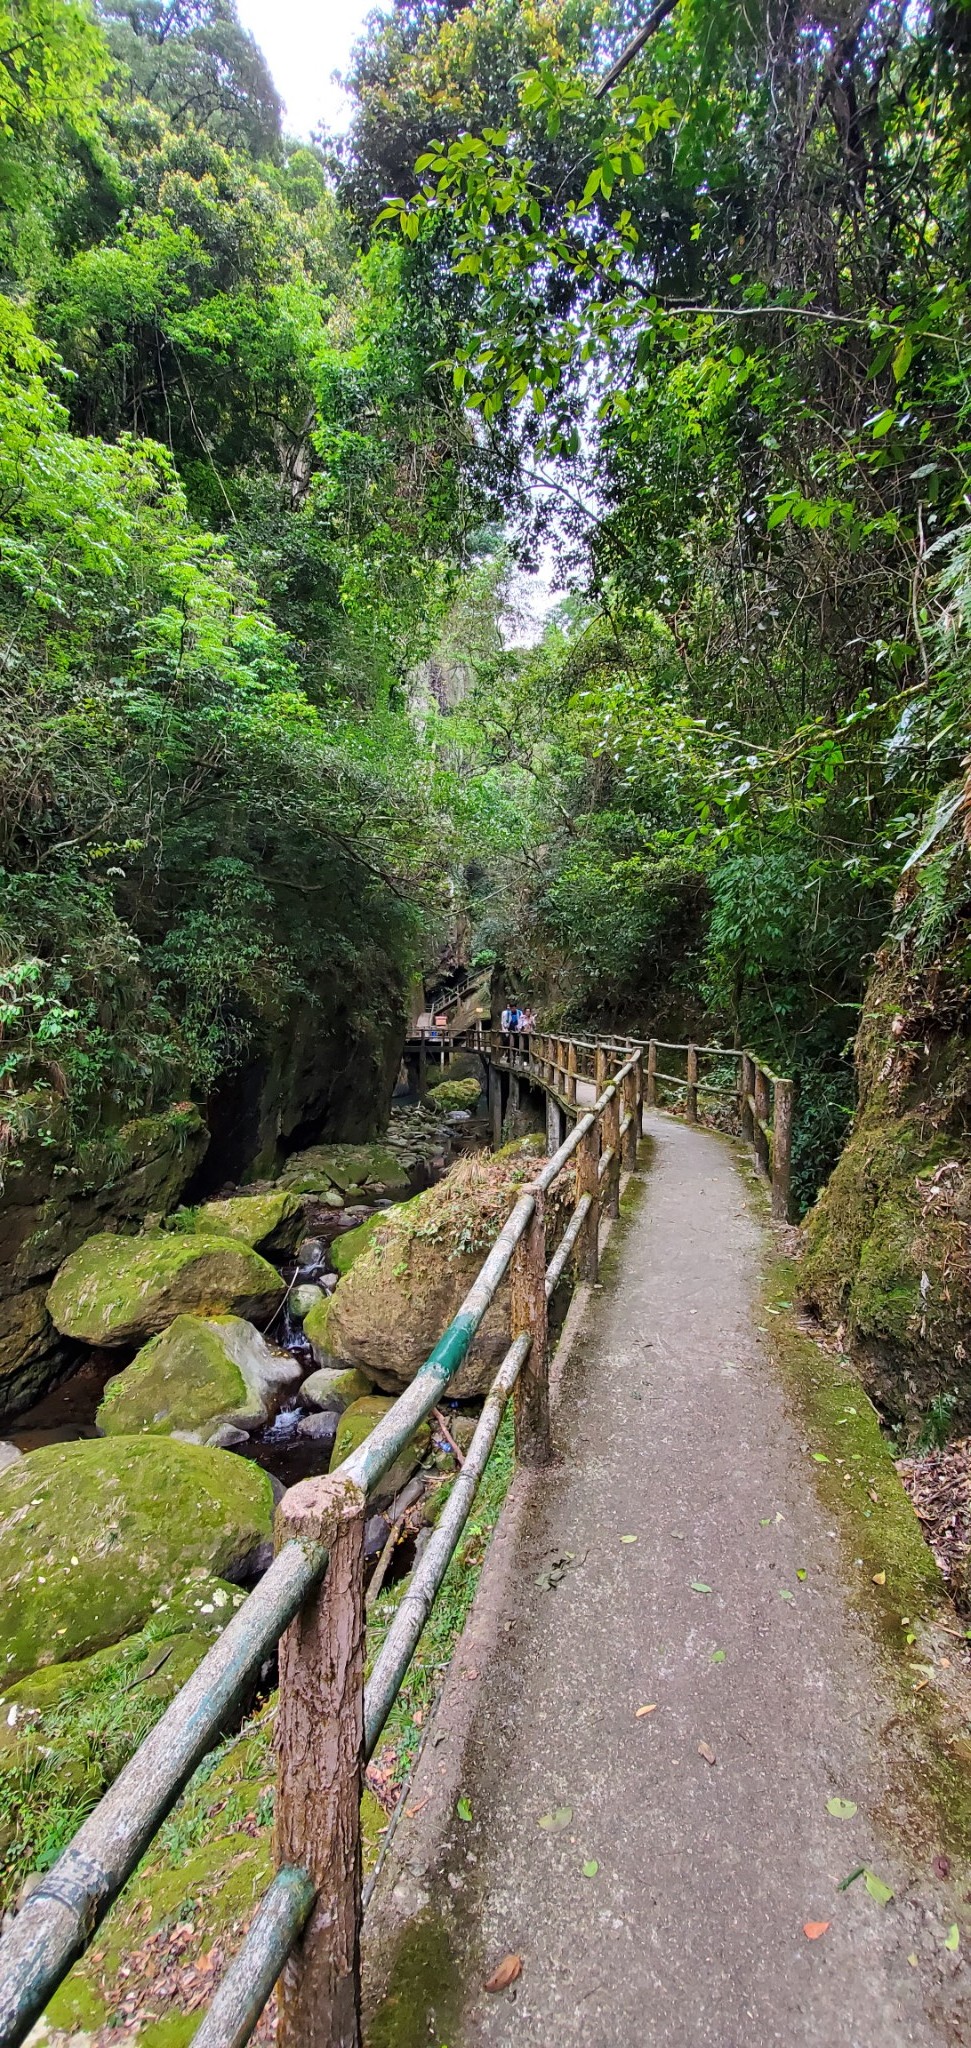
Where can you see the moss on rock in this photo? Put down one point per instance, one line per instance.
(344, 1167)
(116, 1290)
(335, 1388)
(887, 1252)
(351, 1243)
(354, 1428)
(94, 1536)
(455, 1094)
(195, 1379)
(270, 1222)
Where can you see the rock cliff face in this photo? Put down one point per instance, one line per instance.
(53, 1198)
(889, 1241)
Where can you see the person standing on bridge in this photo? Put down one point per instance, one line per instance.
(527, 1021)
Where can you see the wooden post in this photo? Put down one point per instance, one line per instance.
(611, 1139)
(652, 1074)
(600, 1070)
(571, 1072)
(782, 1149)
(554, 1126)
(320, 1751)
(495, 1105)
(691, 1096)
(639, 1099)
(745, 1088)
(629, 1086)
(532, 1398)
(588, 1183)
(759, 1139)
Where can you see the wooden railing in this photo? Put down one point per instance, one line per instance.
(765, 1101)
(305, 1935)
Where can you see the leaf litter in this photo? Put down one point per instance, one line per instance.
(507, 1972)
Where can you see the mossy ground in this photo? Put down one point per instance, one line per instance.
(892, 1581)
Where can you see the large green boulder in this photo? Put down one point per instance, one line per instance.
(197, 1379)
(271, 1222)
(405, 1287)
(343, 1167)
(116, 1290)
(334, 1388)
(95, 1535)
(455, 1094)
(351, 1243)
(354, 1428)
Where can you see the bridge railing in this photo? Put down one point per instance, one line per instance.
(305, 1935)
(765, 1100)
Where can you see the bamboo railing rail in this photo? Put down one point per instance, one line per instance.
(305, 1936)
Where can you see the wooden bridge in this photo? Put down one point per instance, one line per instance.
(305, 1937)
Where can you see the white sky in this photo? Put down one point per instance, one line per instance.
(304, 42)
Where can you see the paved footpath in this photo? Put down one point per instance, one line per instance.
(672, 1428)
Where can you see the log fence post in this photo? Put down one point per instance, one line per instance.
(600, 1069)
(495, 1104)
(320, 1756)
(782, 1149)
(691, 1093)
(746, 1089)
(639, 1099)
(532, 1397)
(652, 1074)
(611, 1134)
(763, 1154)
(629, 1087)
(588, 1183)
(571, 1072)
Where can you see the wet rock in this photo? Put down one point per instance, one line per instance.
(116, 1290)
(310, 1252)
(321, 1428)
(226, 1438)
(198, 1377)
(95, 1536)
(356, 1425)
(377, 1529)
(334, 1388)
(341, 1168)
(303, 1299)
(9, 1455)
(270, 1222)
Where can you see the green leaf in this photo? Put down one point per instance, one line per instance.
(876, 1888)
(784, 1593)
(628, 1539)
(952, 1939)
(820, 1458)
(591, 1868)
(560, 1817)
(902, 359)
(717, 1657)
(841, 1809)
(464, 1808)
(698, 1586)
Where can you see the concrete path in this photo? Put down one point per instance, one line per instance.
(706, 1818)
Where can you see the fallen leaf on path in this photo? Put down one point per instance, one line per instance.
(640, 1711)
(464, 1808)
(628, 1539)
(560, 1817)
(913, 1961)
(841, 1809)
(509, 1969)
(718, 1657)
(814, 1928)
(942, 1866)
(820, 1458)
(764, 1521)
(591, 1867)
(800, 1574)
(876, 1888)
(412, 1812)
(845, 1882)
(705, 1750)
(952, 1939)
(698, 1586)
(784, 1593)
(879, 1578)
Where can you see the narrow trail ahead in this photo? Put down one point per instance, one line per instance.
(672, 1428)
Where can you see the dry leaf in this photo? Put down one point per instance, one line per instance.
(509, 1969)
(879, 1578)
(705, 1750)
(652, 1709)
(814, 1928)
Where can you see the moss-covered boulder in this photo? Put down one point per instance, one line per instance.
(887, 1241)
(196, 1379)
(406, 1286)
(455, 1094)
(343, 1168)
(271, 1222)
(354, 1428)
(334, 1388)
(351, 1243)
(116, 1290)
(95, 1535)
